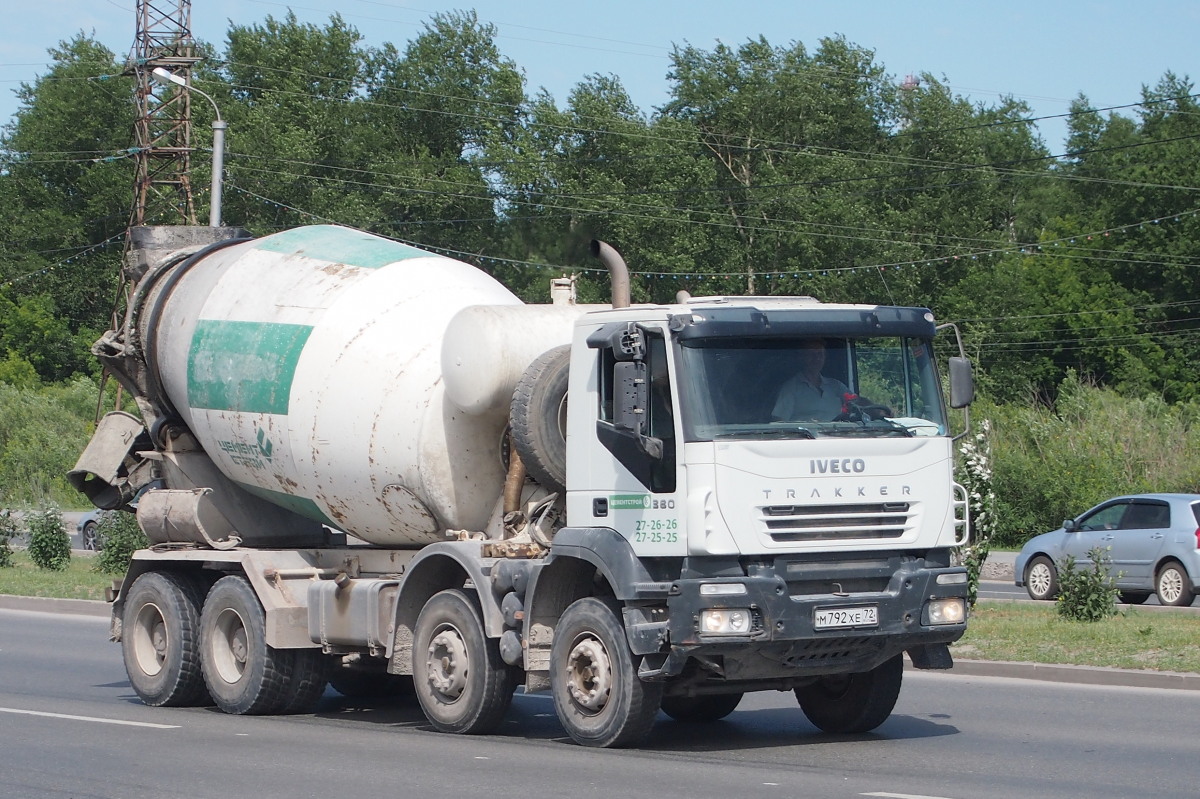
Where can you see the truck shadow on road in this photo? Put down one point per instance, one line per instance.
(532, 718)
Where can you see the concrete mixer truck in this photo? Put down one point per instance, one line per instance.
(363, 464)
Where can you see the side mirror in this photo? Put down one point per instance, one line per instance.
(632, 395)
(962, 382)
(1070, 526)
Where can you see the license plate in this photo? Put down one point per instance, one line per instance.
(832, 618)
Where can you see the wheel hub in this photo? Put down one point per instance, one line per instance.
(159, 640)
(1170, 586)
(1039, 578)
(448, 664)
(589, 674)
(149, 639)
(230, 646)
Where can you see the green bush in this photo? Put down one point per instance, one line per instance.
(43, 428)
(1087, 594)
(117, 537)
(8, 531)
(49, 543)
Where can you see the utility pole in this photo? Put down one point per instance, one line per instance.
(163, 129)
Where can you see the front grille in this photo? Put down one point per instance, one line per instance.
(791, 523)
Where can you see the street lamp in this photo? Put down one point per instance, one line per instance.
(167, 78)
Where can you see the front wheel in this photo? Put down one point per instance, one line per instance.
(1041, 580)
(597, 694)
(460, 681)
(1173, 586)
(853, 703)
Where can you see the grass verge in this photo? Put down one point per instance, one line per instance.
(77, 581)
(1133, 639)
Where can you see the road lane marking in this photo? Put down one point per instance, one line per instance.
(885, 795)
(89, 718)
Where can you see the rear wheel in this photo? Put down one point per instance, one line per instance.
(460, 681)
(88, 536)
(700, 708)
(1041, 579)
(160, 639)
(853, 703)
(307, 676)
(243, 674)
(1173, 586)
(597, 694)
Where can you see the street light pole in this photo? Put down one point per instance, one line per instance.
(219, 125)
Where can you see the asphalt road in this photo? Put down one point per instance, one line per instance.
(71, 727)
(989, 589)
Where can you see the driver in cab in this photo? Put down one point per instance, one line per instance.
(809, 394)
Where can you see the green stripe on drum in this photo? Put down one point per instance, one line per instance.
(341, 246)
(302, 506)
(244, 366)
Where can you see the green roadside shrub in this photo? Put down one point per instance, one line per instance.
(8, 531)
(1053, 463)
(1087, 594)
(117, 538)
(49, 543)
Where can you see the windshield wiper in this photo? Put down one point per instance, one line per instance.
(772, 432)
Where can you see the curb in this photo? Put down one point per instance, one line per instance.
(1044, 672)
(41, 604)
(1077, 675)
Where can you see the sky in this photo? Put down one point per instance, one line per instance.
(1045, 53)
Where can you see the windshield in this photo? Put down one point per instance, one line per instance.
(809, 388)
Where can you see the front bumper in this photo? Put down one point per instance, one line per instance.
(784, 599)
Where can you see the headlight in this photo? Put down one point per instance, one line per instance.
(952, 610)
(725, 621)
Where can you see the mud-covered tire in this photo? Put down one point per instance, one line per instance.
(160, 640)
(460, 681)
(853, 703)
(598, 696)
(307, 676)
(700, 709)
(539, 418)
(244, 676)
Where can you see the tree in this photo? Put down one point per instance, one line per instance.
(64, 192)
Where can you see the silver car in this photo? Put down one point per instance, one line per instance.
(1153, 541)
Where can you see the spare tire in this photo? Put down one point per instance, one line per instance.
(539, 418)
